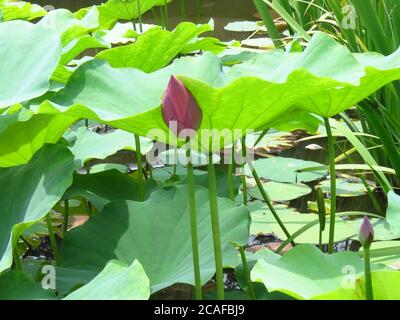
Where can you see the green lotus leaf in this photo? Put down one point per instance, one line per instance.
(280, 192)
(155, 235)
(29, 56)
(102, 187)
(21, 10)
(29, 192)
(345, 188)
(90, 145)
(117, 281)
(154, 49)
(20, 140)
(385, 286)
(285, 170)
(385, 252)
(68, 26)
(17, 285)
(305, 272)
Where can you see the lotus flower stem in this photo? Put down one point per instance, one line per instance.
(244, 182)
(193, 228)
(53, 242)
(183, 10)
(66, 217)
(332, 173)
(139, 16)
(367, 271)
(231, 169)
(321, 214)
(166, 14)
(139, 167)
(268, 201)
(246, 271)
(212, 189)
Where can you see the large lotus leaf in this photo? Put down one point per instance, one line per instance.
(155, 48)
(344, 78)
(29, 55)
(117, 281)
(305, 272)
(17, 285)
(20, 140)
(385, 252)
(344, 187)
(21, 10)
(285, 170)
(158, 236)
(280, 192)
(102, 187)
(29, 192)
(114, 10)
(68, 26)
(90, 145)
(385, 286)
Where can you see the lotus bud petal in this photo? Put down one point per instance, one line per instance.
(366, 233)
(180, 110)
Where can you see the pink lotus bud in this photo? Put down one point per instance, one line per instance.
(180, 110)
(366, 233)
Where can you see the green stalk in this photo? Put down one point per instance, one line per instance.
(332, 173)
(244, 182)
(166, 14)
(53, 241)
(269, 23)
(321, 214)
(268, 201)
(212, 189)
(246, 271)
(66, 217)
(140, 167)
(183, 10)
(231, 169)
(193, 228)
(369, 295)
(139, 16)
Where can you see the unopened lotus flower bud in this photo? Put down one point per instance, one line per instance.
(180, 110)
(366, 233)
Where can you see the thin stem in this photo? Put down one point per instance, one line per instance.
(193, 229)
(166, 14)
(183, 10)
(321, 214)
(332, 173)
(212, 189)
(369, 295)
(139, 167)
(244, 182)
(246, 271)
(231, 169)
(268, 202)
(53, 242)
(66, 217)
(139, 16)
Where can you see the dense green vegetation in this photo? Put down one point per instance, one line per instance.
(139, 158)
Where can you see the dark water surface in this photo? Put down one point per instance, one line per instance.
(199, 11)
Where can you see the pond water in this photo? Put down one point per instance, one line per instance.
(199, 11)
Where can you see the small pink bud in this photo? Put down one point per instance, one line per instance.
(366, 233)
(180, 110)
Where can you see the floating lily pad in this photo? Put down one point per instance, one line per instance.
(285, 170)
(281, 192)
(244, 26)
(345, 188)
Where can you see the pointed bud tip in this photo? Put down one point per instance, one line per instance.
(366, 233)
